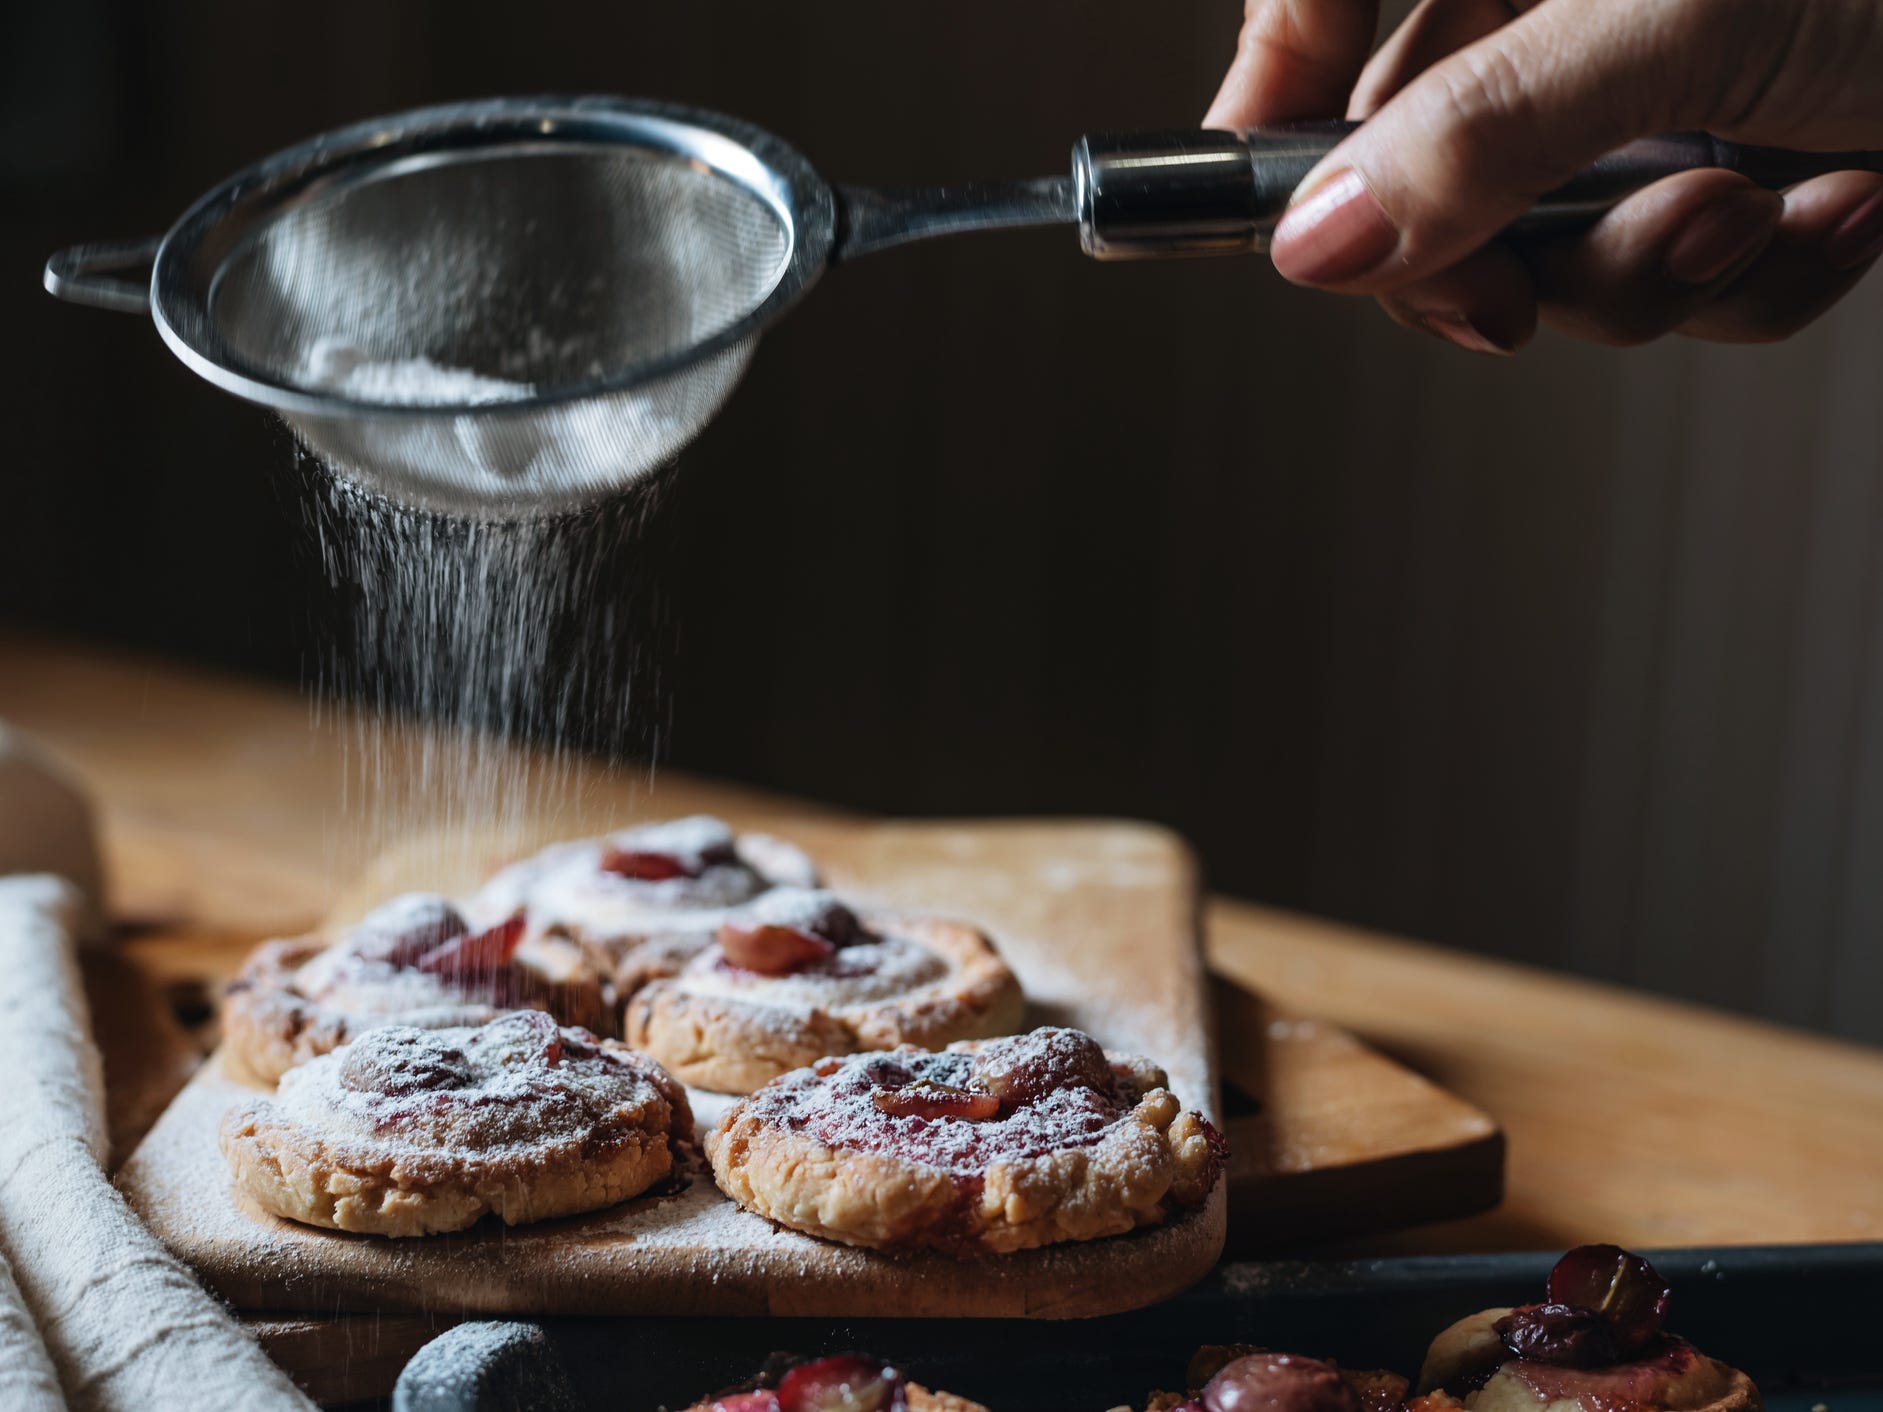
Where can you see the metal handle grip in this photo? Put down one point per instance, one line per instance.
(1222, 193)
(91, 274)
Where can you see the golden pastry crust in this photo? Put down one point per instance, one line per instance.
(299, 998)
(1081, 1144)
(924, 982)
(409, 1132)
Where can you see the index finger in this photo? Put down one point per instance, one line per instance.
(1295, 59)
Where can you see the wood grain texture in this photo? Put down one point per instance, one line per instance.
(1099, 920)
(1629, 1119)
(1343, 1141)
(225, 821)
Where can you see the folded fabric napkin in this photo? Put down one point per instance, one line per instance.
(124, 1323)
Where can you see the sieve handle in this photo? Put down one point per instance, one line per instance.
(1207, 192)
(869, 220)
(94, 274)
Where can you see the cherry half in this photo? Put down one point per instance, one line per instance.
(644, 865)
(844, 1383)
(1027, 1068)
(407, 927)
(933, 1100)
(1278, 1382)
(1620, 1286)
(1559, 1334)
(476, 953)
(772, 950)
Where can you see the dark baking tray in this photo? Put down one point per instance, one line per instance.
(1806, 1321)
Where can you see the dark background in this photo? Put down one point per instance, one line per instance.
(1570, 659)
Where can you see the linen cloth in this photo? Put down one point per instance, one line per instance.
(125, 1324)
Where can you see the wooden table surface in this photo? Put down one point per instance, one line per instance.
(1629, 1118)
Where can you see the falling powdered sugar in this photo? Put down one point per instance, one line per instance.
(457, 641)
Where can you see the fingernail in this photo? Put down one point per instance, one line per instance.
(1336, 232)
(1858, 238)
(1458, 330)
(1726, 232)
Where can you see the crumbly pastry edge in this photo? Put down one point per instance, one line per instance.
(369, 1190)
(1155, 1160)
(269, 1028)
(729, 1044)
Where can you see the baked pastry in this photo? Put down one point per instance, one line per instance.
(795, 976)
(610, 895)
(1595, 1344)
(1241, 1377)
(844, 1382)
(407, 1132)
(414, 961)
(990, 1146)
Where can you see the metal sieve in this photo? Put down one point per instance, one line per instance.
(516, 306)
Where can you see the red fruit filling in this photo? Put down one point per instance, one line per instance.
(377, 1064)
(406, 928)
(747, 1402)
(1278, 1382)
(539, 1028)
(1560, 1334)
(1621, 1287)
(644, 866)
(772, 950)
(478, 953)
(1028, 1068)
(933, 1100)
(845, 1383)
(1639, 1382)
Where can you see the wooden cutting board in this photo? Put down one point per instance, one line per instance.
(1100, 922)
(1099, 919)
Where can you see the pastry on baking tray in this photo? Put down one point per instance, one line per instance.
(987, 1147)
(407, 1132)
(1594, 1344)
(672, 879)
(795, 976)
(844, 1382)
(414, 961)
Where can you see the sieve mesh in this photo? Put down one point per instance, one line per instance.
(563, 272)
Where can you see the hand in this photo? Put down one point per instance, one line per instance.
(1475, 108)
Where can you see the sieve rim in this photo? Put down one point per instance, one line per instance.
(197, 250)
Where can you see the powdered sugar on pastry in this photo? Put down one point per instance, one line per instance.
(796, 975)
(839, 1107)
(896, 966)
(408, 1131)
(993, 1146)
(415, 960)
(608, 891)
